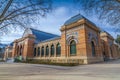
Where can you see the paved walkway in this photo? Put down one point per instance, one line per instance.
(100, 71)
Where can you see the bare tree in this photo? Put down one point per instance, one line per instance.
(14, 13)
(106, 10)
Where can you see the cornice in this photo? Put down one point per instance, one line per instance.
(23, 38)
(104, 34)
(79, 22)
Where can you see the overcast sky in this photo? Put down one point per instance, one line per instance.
(62, 11)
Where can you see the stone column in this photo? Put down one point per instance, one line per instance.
(68, 52)
(49, 50)
(5, 54)
(54, 50)
(63, 44)
(14, 49)
(29, 46)
(40, 51)
(44, 51)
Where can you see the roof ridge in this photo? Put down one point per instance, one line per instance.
(77, 15)
(74, 19)
(44, 32)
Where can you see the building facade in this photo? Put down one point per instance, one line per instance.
(8, 52)
(81, 41)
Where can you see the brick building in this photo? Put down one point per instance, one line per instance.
(8, 51)
(81, 41)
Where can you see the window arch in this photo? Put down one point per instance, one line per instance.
(72, 47)
(47, 51)
(17, 50)
(21, 50)
(58, 50)
(52, 50)
(38, 51)
(111, 52)
(119, 51)
(93, 48)
(34, 51)
(42, 51)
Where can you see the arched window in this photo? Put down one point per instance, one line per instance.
(42, 53)
(58, 50)
(52, 50)
(93, 48)
(38, 51)
(34, 51)
(47, 51)
(20, 50)
(72, 47)
(17, 50)
(111, 52)
(118, 51)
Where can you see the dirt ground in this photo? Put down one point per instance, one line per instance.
(100, 71)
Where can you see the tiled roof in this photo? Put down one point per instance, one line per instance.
(55, 38)
(41, 36)
(74, 19)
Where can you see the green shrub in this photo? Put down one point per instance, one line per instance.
(35, 61)
(2, 61)
(18, 59)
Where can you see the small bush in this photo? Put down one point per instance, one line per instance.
(2, 61)
(18, 59)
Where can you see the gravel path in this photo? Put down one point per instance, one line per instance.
(100, 71)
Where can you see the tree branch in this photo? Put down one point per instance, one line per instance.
(6, 8)
(21, 9)
(25, 12)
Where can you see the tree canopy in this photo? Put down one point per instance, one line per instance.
(106, 10)
(14, 13)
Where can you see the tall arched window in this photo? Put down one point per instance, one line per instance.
(42, 51)
(119, 51)
(47, 51)
(17, 50)
(111, 52)
(93, 48)
(38, 51)
(58, 50)
(34, 51)
(20, 50)
(72, 47)
(52, 50)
